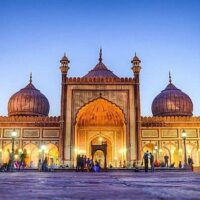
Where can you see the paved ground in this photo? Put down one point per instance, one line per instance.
(107, 185)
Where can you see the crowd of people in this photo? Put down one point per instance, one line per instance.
(21, 163)
(45, 166)
(148, 158)
(83, 163)
(12, 164)
(87, 164)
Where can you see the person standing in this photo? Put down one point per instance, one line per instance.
(151, 161)
(124, 164)
(88, 164)
(78, 163)
(10, 164)
(180, 165)
(166, 158)
(146, 160)
(82, 163)
(45, 165)
(39, 165)
(22, 160)
(190, 161)
(52, 166)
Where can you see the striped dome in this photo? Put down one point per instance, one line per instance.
(172, 102)
(28, 102)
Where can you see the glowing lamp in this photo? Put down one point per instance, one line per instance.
(14, 133)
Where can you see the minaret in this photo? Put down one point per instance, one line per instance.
(64, 70)
(136, 72)
(64, 64)
(136, 66)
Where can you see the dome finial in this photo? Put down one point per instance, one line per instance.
(170, 78)
(100, 55)
(30, 78)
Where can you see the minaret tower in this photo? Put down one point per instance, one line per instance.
(64, 70)
(136, 72)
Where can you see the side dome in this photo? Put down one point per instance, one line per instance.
(29, 101)
(172, 102)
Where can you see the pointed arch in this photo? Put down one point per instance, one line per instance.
(100, 111)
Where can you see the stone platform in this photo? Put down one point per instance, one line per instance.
(105, 185)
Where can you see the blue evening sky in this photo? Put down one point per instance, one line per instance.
(34, 34)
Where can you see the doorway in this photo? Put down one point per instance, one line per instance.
(99, 153)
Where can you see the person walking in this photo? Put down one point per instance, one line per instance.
(151, 161)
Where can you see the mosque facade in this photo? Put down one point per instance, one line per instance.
(100, 118)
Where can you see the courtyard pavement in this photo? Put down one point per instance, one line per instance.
(105, 185)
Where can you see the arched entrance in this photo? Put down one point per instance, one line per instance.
(101, 121)
(52, 152)
(99, 154)
(32, 156)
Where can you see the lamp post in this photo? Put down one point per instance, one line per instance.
(13, 135)
(184, 136)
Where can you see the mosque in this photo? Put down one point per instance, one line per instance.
(100, 118)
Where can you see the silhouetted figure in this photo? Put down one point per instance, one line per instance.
(180, 165)
(45, 165)
(39, 165)
(124, 164)
(96, 167)
(166, 158)
(146, 160)
(91, 165)
(10, 164)
(82, 163)
(190, 161)
(120, 164)
(172, 165)
(78, 163)
(151, 161)
(134, 164)
(88, 164)
(22, 160)
(85, 161)
(52, 165)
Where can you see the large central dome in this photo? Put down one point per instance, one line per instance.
(172, 102)
(100, 70)
(28, 102)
